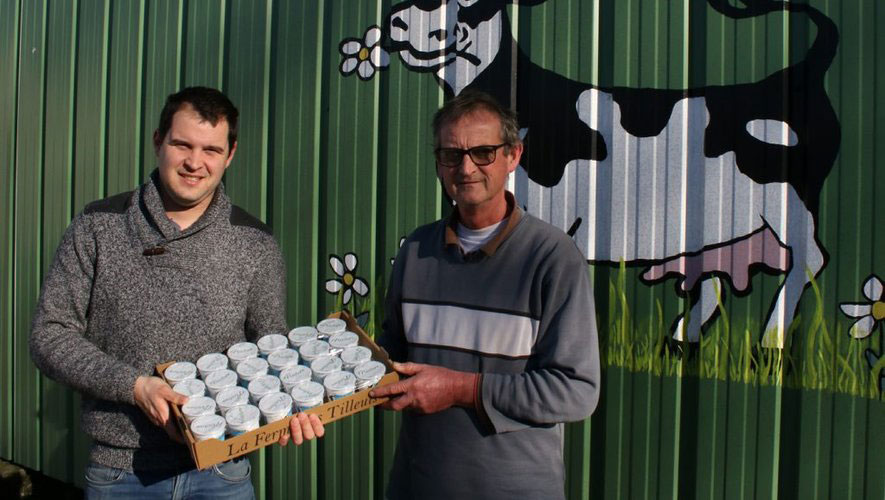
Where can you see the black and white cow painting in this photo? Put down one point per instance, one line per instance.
(702, 184)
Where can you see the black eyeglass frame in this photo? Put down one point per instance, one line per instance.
(470, 152)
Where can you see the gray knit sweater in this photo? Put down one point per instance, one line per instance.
(128, 289)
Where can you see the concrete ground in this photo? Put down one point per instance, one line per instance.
(19, 482)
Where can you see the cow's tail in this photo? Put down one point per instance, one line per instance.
(822, 52)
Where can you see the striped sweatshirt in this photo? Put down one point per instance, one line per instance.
(520, 312)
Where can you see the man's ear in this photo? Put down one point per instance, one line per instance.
(515, 156)
(157, 141)
(230, 156)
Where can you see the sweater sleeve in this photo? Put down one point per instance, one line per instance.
(562, 379)
(58, 344)
(266, 309)
(393, 338)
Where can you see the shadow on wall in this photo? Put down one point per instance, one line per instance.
(19, 482)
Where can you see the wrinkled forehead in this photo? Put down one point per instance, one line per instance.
(479, 120)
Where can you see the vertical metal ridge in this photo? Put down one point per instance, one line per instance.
(181, 34)
(105, 84)
(139, 149)
(265, 110)
(318, 100)
(7, 302)
(223, 39)
(39, 257)
(72, 100)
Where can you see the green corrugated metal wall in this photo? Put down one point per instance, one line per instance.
(339, 165)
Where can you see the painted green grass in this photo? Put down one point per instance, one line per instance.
(819, 355)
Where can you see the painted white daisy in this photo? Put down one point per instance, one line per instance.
(869, 314)
(348, 280)
(365, 55)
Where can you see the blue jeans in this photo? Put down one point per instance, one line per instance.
(228, 480)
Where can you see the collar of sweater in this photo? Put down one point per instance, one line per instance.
(513, 216)
(152, 204)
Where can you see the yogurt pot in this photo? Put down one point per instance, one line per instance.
(211, 362)
(190, 387)
(208, 427)
(355, 356)
(241, 351)
(231, 397)
(339, 384)
(183, 370)
(306, 395)
(368, 374)
(242, 419)
(221, 379)
(250, 369)
(282, 359)
(197, 406)
(262, 386)
(290, 377)
(328, 327)
(321, 367)
(275, 406)
(301, 334)
(341, 341)
(312, 350)
(271, 343)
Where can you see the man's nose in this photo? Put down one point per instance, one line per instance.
(467, 166)
(192, 160)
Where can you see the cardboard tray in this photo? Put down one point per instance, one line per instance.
(213, 451)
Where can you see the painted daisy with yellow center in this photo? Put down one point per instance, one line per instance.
(347, 282)
(869, 314)
(364, 56)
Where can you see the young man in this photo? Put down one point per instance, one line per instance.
(169, 271)
(492, 310)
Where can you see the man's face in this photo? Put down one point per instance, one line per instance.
(477, 188)
(192, 159)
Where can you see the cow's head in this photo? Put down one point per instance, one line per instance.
(455, 39)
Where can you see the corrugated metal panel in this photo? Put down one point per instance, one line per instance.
(27, 218)
(57, 402)
(339, 165)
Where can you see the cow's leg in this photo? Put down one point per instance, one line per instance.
(797, 233)
(700, 313)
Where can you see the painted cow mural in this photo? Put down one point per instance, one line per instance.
(703, 184)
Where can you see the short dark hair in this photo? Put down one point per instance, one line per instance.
(211, 104)
(472, 100)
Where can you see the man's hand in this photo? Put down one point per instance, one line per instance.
(303, 427)
(153, 395)
(429, 388)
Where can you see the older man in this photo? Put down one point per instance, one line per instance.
(493, 312)
(169, 271)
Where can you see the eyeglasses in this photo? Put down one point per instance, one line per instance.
(479, 155)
